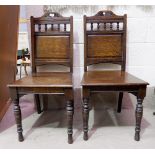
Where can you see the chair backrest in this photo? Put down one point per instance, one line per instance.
(52, 40)
(105, 39)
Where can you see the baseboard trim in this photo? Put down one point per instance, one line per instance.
(3, 111)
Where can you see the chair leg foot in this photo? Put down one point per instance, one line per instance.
(70, 112)
(18, 118)
(85, 136)
(70, 139)
(138, 114)
(85, 118)
(137, 136)
(20, 137)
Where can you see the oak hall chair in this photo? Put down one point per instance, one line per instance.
(52, 43)
(105, 42)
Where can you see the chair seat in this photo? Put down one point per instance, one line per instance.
(56, 79)
(110, 78)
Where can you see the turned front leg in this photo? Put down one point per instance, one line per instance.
(85, 118)
(17, 113)
(139, 113)
(70, 111)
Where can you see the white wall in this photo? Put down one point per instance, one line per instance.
(140, 39)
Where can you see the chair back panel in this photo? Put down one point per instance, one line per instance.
(49, 47)
(104, 46)
(105, 39)
(52, 40)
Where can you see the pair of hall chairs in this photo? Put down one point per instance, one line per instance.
(52, 43)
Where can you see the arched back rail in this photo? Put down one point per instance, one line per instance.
(105, 39)
(52, 40)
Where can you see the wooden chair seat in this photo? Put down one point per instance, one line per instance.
(45, 80)
(110, 78)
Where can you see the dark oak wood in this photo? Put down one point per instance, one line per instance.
(47, 50)
(139, 113)
(105, 41)
(51, 42)
(45, 79)
(120, 102)
(110, 78)
(18, 118)
(8, 47)
(38, 105)
(104, 46)
(48, 47)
